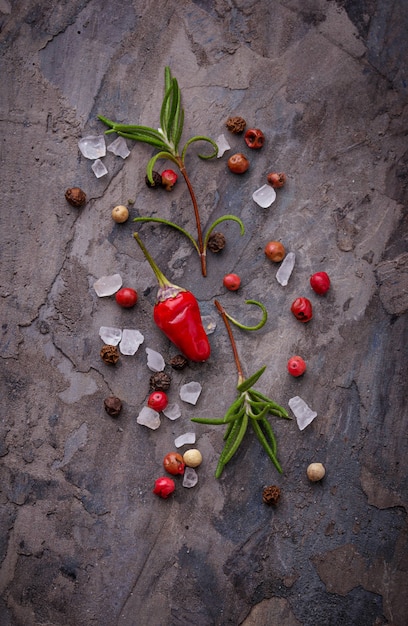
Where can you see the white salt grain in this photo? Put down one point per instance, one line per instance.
(148, 417)
(285, 270)
(190, 392)
(131, 340)
(155, 361)
(107, 285)
(303, 413)
(92, 147)
(186, 439)
(172, 411)
(190, 477)
(109, 335)
(264, 196)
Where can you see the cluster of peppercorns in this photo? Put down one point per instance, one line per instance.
(174, 463)
(254, 138)
(166, 179)
(301, 307)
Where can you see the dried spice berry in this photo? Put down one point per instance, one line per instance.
(109, 354)
(169, 179)
(271, 495)
(238, 163)
(120, 214)
(254, 138)
(157, 180)
(236, 124)
(160, 381)
(75, 196)
(276, 179)
(113, 406)
(216, 242)
(178, 362)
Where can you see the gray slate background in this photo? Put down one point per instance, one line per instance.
(83, 539)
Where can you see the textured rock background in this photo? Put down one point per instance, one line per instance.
(84, 541)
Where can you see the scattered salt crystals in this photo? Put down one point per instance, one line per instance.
(148, 417)
(109, 335)
(98, 168)
(155, 361)
(107, 285)
(264, 196)
(190, 392)
(303, 413)
(190, 477)
(119, 147)
(209, 324)
(222, 144)
(131, 340)
(183, 440)
(172, 411)
(92, 147)
(284, 272)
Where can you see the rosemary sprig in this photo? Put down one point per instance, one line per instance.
(251, 406)
(166, 140)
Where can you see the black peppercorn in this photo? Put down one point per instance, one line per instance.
(271, 495)
(160, 381)
(216, 242)
(236, 124)
(109, 354)
(157, 180)
(113, 406)
(178, 362)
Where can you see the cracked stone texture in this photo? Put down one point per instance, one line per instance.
(83, 539)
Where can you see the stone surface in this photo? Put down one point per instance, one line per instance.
(84, 540)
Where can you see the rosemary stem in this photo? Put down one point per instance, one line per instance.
(225, 319)
(197, 216)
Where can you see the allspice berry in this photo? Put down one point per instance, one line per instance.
(75, 196)
(271, 495)
(236, 124)
(113, 406)
(109, 354)
(160, 381)
(216, 242)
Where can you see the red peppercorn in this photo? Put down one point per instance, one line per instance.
(275, 251)
(254, 138)
(320, 283)
(302, 309)
(164, 486)
(169, 179)
(158, 400)
(238, 163)
(232, 282)
(296, 366)
(126, 297)
(173, 463)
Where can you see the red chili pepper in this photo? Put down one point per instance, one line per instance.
(177, 314)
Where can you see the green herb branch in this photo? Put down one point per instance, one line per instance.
(166, 140)
(250, 407)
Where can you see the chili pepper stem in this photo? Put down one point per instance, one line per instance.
(225, 319)
(200, 242)
(162, 280)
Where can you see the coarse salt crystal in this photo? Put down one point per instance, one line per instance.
(148, 417)
(186, 439)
